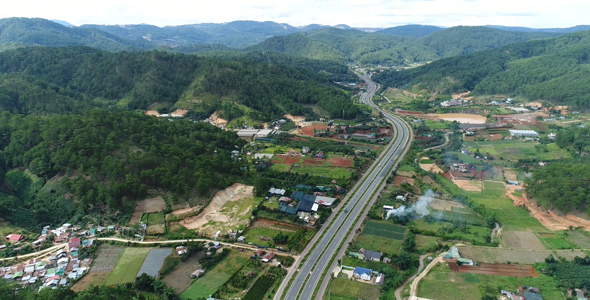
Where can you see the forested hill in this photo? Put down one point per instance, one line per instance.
(554, 69)
(79, 77)
(376, 48)
(48, 33)
(411, 30)
(118, 157)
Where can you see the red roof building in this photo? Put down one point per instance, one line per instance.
(74, 243)
(14, 238)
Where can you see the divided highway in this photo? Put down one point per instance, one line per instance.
(311, 271)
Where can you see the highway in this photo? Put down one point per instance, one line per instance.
(311, 271)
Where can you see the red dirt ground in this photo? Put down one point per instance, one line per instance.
(288, 160)
(499, 269)
(308, 131)
(312, 161)
(407, 112)
(341, 162)
(447, 176)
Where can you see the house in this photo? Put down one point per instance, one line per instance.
(402, 198)
(531, 296)
(387, 208)
(531, 289)
(523, 133)
(268, 257)
(14, 238)
(241, 239)
(511, 182)
(356, 255)
(320, 155)
(580, 294)
(305, 150)
(181, 250)
(362, 273)
(197, 273)
(2, 247)
(74, 243)
(325, 201)
(259, 253)
(450, 103)
(380, 279)
(552, 136)
(372, 255)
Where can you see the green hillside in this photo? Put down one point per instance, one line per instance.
(554, 69)
(411, 30)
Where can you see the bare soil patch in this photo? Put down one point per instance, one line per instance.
(398, 180)
(285, 159)
(468, 185)
(521, 240)
(341, 162)
(217, 120)
(462, 118)
(405, 173)
(212, 213)
(309, 130)
(147, 206)
(503, 255)
(500, 269)
(180, 279)
(548, 218)
(312, 161)
(268, 224)
(510, 174)
(520, 119)
(431, 168)
(92, 278)
(107, 257)
(430, 181)
(439, 204)
(185, 212)
(155, 229)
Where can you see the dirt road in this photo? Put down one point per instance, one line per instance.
(37, 254)
(398, 291)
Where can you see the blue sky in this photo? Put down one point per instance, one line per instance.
(367, 13)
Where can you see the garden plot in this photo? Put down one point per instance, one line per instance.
(180, 278)
(580, 238)
(521, 240)
(510, 174)
(155, 223)
(106, 259)
(439, 204)
(229, 209)
(345, 289)
(468, 185)
(398, 180)
(151, 205)
(154, 261)
(429, 166)
(127, 266)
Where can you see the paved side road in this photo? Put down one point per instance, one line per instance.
(37, 254)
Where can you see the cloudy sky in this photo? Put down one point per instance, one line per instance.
(364, 13)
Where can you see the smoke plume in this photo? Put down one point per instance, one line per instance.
(420, 208)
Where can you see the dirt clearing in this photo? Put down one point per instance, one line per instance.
(500, 269)
(147, 206)
(229, 209)
(180, 279)
(439, 204)
(462, 118)
(341, 162)
(405, 173)
(268, 224)
(468, 185)
(521, 240)
(548, 218)
(431, 168)
(510, 174)
(398, 180)
(309, 131)
(502, 255)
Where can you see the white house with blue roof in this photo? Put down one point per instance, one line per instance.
(363, 274)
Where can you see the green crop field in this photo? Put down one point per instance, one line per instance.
(216, 277)
(386, 230)
(452, 216)
(515, 150)
(379, 244)
(127, 266)
(155, 218)
(426, 162)
(255, 235)
(280, 167)
(406, 168)
(493, 185)
(334, 172)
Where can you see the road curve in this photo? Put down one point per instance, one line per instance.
(311, 272)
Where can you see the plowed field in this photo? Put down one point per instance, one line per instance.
(500, 269)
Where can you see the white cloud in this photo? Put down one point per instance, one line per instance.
(376, 13)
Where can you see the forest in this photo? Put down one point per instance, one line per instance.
(555, 69)
(135, 153)
(78, 78)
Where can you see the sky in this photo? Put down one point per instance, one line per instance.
(355, 13)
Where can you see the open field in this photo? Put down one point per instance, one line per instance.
(147, 206)
(216, 277)
(376, 243)
(263, 236)
(448, 291)
(580, 238)
(515, 150)
(425, 242)
(154, 261)
(386, 230)
(180, 279)
(468, 185)
(439, 204)
(430, 167)
(398, 180)
(521, 240)
(128, 265)
(510, 174)
(107, 257)
(330, 172)
(356, 290)
(503, 255)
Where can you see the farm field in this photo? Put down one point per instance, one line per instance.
(263, 236)
(515, 150)
(180, 279)
(216, 277)
(500, 270)
(581, 238)
(147, 206)
(107, 257)
(477, 233)
(471, 286)
(342, 287)
(331, 172)
(379, 244)
(155, 223)
(503, 255)
(451, 216)
(128, 265)
(424, 242)
(154, 261)
(521, 240)
(385, 230)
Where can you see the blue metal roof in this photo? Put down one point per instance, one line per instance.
(361, 271)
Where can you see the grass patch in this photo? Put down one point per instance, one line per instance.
(127, 266)
(353, 290)
(493, 185)
(406, 168)
(216, 277)
(280, 167)
(379, 244)
(338, 173)
(424, 242)
(255, 235)
(385, 230)
(426, 162)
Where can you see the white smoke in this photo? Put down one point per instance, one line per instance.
(420, 207)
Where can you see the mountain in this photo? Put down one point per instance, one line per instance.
(556, 69)
(376, 48)
(411, 30)
(64, 23)
(553, 30)
(78, 78)
(48, 33)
